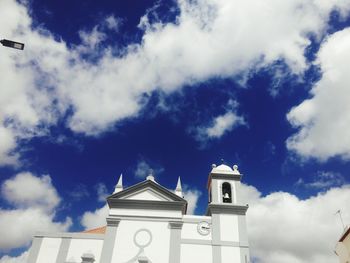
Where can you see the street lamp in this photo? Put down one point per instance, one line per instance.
(12, 44)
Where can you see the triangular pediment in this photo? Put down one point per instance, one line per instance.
(146, 194)
(146, 191)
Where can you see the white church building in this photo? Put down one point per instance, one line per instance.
(147, 223)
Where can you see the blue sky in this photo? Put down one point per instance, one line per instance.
(110, 87)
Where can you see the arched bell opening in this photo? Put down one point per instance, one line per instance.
(226, 193)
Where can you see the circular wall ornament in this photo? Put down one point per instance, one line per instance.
(203, 228)
(142, 238)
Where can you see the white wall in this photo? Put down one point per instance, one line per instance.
(195, 254)
(146, 195)
(189, 231)
(49, 250)
(230, 254)
(80, 246)
(125, 248)
(229, 228)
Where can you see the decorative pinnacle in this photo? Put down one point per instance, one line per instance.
(178, 186)
(119, 186)
(213, 165)
(178, 190)
(120, 181)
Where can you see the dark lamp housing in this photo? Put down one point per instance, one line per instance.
(12, 44)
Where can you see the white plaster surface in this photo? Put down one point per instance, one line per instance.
(195, 218)
(145, 213)
(125, 248)
(147, 194)
(219, 190)
(235, 186)
(229, 228)
(49, 250)
(230, 254)
(189, 231)
(196, 253)
(80, 246)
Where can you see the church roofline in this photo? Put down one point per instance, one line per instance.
(98, 230)
(78, 235)
(143, 184)
(345, 234)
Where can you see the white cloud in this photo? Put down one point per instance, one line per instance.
(322, 180)
(27, 191)
(284, 228)
(21, 224)
(113, 22)
(8, 143)
(102, 192)
(79, 192)
(91, 39)
(34, 201)
(143, 169)
(209, 39)
(91, 220)
(19, 259)
(24, 104)
(324, 119)
(220, 125)
(191, 196)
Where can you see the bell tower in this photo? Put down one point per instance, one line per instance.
(226, 208)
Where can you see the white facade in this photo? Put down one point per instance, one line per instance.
(148, 223)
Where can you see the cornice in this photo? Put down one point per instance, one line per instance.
(112, 221)
(226, 209)
(70, 235)
(175, 224)
(236, 177)
(148, 204)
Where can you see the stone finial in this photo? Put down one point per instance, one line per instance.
(213, 165)
(119, 186)
(235, 169)
(150, 176)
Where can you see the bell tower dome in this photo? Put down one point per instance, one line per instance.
(223, 184)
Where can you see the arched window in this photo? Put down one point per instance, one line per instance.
(226, 193)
